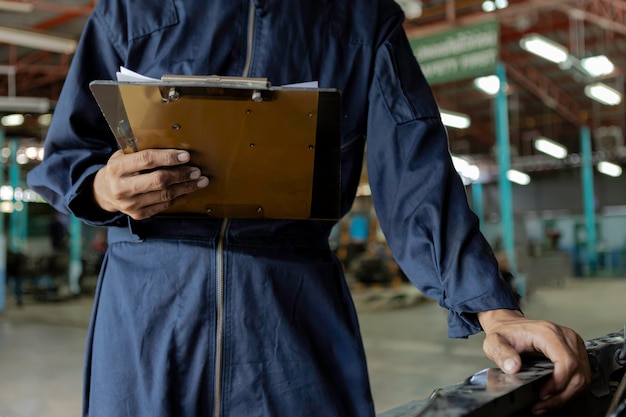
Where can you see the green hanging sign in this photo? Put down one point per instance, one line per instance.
(467, 52)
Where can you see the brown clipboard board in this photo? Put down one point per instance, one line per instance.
(269, 152)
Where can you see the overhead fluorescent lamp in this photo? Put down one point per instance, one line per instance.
(6, 193)
(488, 85)
(37, 40)
(610, 169)
(31, 152)
(364, 190)
(489, 6)
(412, 8)
(472, 172)
(518, 177)
(45, 119)
(456, 120)
(459, 163)
(24, 104)
(16, 6)
(12, 120)
(550, 147)
(597, 66)
(465, 169)
(604, 94)
(545, 48)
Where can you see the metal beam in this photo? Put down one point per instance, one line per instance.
(62, 8)
(443, 10)
(413, 27)
(546, 90)
(607, 14)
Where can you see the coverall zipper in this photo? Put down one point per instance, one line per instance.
(251, 16)
(219, 337)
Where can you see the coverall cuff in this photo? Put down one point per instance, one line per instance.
(463, 319)
(83, 204)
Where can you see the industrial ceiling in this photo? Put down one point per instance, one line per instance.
(544, 99)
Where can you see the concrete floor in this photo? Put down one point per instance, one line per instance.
(409, 354)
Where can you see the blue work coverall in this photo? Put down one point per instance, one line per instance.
(245, 318)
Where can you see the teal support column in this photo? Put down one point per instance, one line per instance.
(23, 223)
(588, 199)
(504, 163)
(15, 218)
(3, 239)
(76, 258)
(477, 201)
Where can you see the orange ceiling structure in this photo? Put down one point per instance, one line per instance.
(543, 99)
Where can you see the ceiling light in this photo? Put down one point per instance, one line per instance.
(489, 84)
(608, 168)
(6, 207)
(30, 196)
(518, 177)
(603, 94)
(545, 48)
(21, 159)
(31, 152)
(502, 4)
(364, 190)
(597, 66)
(37, 40)
(472, 172)
(12, 120)
(412, 8)
(17, 6)
(45, 119)
(6, 193)
(489, 6)
(456, 120)
(465, 169)
(551, 148)
(459, 163)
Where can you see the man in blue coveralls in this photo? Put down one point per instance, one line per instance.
(244, 317)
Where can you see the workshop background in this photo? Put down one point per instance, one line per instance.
(532, 94)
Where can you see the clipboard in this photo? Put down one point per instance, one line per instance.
(269, 152)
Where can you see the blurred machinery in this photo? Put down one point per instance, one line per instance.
(491, 393)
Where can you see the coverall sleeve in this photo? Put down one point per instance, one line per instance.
(419, 198)
(79, 141)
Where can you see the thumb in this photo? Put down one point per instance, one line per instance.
(499, 350)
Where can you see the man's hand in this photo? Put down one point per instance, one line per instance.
(508, 333)
(145, 183)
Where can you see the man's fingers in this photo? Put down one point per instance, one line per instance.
(549, 398)
(145, 205)
(571, 373)
(561, 345)
(162, 179)
(156, 158)
(499, 350)
(145, 183)
(130, 164)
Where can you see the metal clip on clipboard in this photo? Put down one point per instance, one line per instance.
(215, 85)
(270, 152)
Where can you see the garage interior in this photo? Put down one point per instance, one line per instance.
(559, 231)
